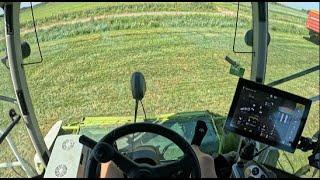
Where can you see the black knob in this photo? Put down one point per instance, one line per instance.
(12, 113)
(247, 152)
(255, 171)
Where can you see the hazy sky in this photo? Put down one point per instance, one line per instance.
(27, 4)
(302, 5)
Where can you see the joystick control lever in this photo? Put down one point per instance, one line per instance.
(199, 133)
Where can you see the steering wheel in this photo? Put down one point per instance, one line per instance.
(104, 151)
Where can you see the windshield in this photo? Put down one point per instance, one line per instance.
(293, 50)
(90, 51)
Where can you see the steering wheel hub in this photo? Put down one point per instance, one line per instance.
(141, 173)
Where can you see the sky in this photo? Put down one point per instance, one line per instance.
(27, 4)
(23, 4)
(302, 5)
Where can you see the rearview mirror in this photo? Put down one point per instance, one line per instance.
(138, 86)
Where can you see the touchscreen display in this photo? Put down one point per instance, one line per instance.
(268, 115)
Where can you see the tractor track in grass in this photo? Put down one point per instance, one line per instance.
(220, 12)
(94, 18)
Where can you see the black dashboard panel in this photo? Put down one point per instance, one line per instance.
(267, 115)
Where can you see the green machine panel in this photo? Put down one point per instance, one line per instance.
(182, 123)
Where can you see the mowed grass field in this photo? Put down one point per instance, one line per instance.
(90, 51)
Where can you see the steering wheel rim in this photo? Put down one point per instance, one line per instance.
(143, 170)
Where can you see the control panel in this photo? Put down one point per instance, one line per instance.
(68, 158)
(251, 169)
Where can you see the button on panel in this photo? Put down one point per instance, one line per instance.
(247, 172)
(255, 171)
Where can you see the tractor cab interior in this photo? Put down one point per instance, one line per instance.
(261, 120)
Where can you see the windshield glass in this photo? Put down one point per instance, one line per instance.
(292, 50)
(90, 51)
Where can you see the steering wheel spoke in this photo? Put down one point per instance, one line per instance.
(124, 163)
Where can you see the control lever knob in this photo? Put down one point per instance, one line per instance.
(199, 133)
(247, 152)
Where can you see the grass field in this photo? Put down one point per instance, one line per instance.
(91, 49)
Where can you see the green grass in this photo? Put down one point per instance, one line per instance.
(60, 11)
(212, 14)
(87, 66)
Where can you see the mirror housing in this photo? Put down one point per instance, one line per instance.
(248, 38)
(138, 86)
